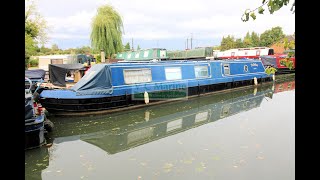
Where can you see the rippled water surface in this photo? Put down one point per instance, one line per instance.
(244, 134)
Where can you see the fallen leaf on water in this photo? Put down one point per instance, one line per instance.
(179, 142)
(117, 128)
(143, 164)
(167, 167)
(59, 171)
(205, 149)
(188, 161)
(199, 169)
(260, 157)
(216, 158)
(235, 166)
(82, 177)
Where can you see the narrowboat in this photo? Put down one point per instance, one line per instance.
(111, 86)
(277, 62)
(143, 55)
(201, 52)
(36, 123)
(35, 75)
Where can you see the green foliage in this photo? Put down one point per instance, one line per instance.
(107, 30)
(98, 58)
(227, 43)
(35, 24)
(138, 47)
(83, 50)
(270, 70)
(288, 61)
(127, 47)
(34, 62)
(272, 5)
(32, 29)
(272, 36)
(239, 43)
(247, 42)
(54, 47)
(253, 16)
(255, 39)
(30, 46)
(260, 10)
(217, 48)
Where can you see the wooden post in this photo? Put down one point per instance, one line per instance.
(103, 57)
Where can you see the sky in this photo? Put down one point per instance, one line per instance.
(161, 23)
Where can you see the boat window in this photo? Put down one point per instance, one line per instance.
(132, 76)
(201, 71)
(173, 73)
(226, 69)
(129, 56)
(137, 55)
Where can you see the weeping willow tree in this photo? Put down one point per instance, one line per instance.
(107, 30)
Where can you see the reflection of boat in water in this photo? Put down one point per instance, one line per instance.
(120, 132)
(285, 86)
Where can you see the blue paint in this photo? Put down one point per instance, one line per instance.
(238, 72)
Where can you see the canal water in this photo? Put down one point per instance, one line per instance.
(246, 134)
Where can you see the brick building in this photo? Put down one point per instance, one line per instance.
(279, 47)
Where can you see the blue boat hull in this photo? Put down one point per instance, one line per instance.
(110, 86)
(80, 105)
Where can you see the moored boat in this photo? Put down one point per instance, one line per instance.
(110, 86)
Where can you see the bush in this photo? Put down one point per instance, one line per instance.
(98, 58)
(34, 62)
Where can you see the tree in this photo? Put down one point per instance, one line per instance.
(30, 48)
(107, 30)
(35, 24)
(227, 43)
(138, 47)
(35, 30)
(54, 47)
(255, 39)
(272, 36)
(239, 43)
(83, 50)
(247, 42)
(127, 47)
(273, 5)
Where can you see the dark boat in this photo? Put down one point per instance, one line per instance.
(36, 123)
(35, 75)
(110, 86)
